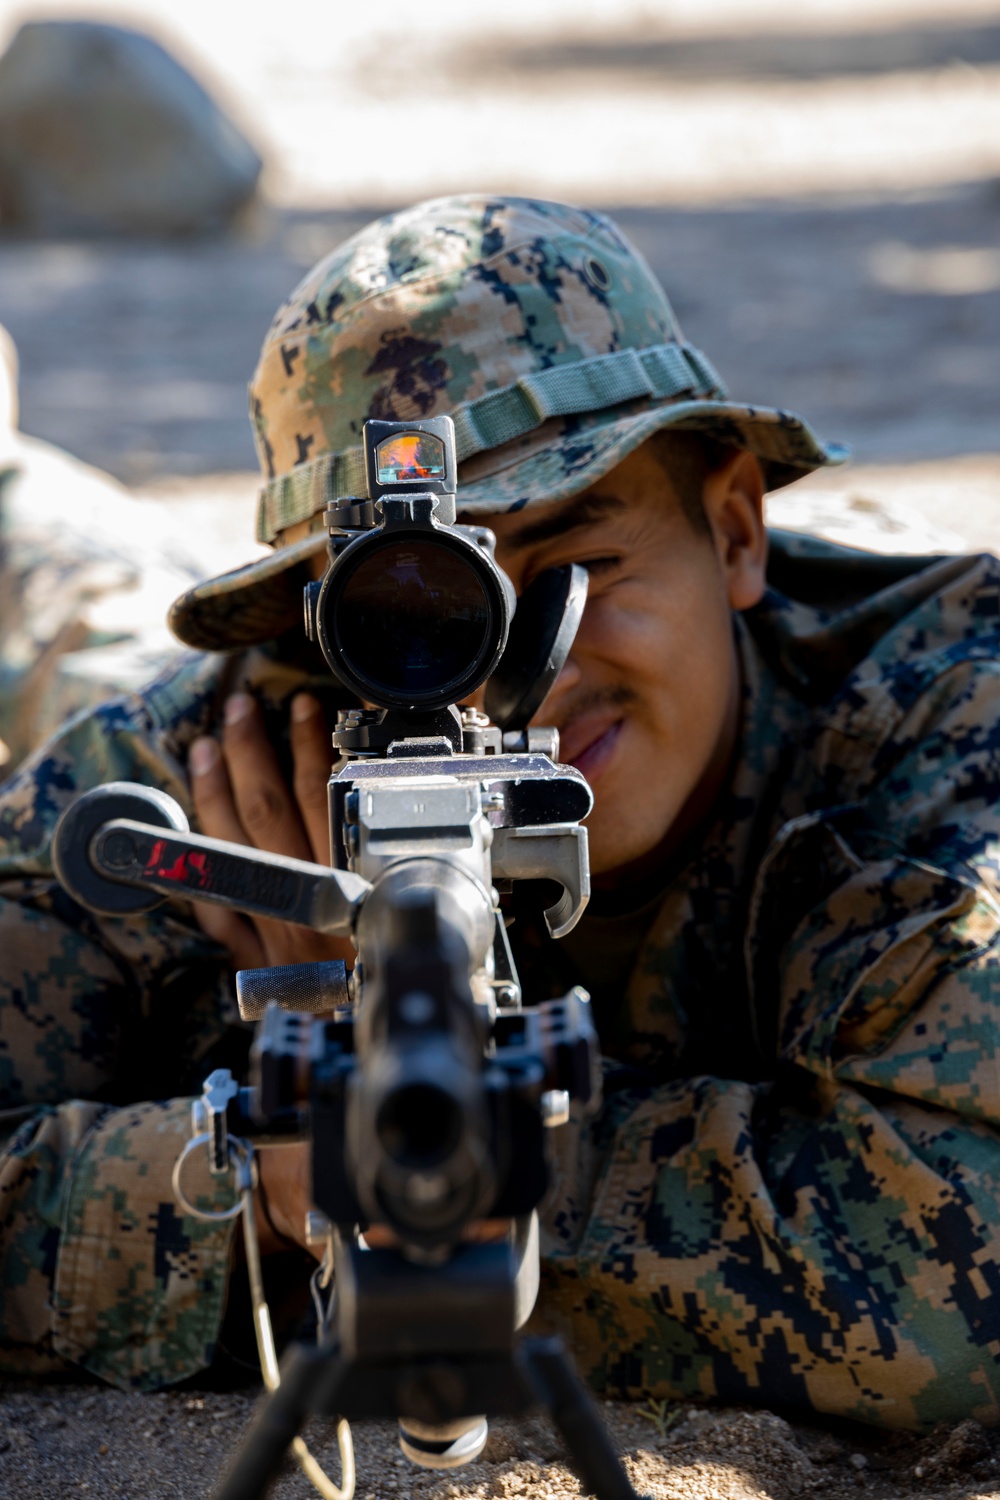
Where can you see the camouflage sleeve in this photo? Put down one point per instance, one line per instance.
(98, 1267)
(830, 1239)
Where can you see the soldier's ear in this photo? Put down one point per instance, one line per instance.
(733, 501)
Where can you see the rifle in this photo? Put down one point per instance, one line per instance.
(425, 1083)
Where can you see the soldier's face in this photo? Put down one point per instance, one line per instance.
(648, 703)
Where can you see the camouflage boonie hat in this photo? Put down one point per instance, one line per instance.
(537, 327)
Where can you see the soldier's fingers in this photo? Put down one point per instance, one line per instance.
(215, 801)
(283, 1196)
(264, 803)
(233, 932)
(214, 805)
(285, 943)
(311, 757)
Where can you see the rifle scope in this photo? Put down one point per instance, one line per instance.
(413, 612)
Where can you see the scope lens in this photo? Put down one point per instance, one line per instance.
(413, 617)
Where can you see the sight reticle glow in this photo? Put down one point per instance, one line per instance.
(409, 455)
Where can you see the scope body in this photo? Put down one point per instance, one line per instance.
(413, 612)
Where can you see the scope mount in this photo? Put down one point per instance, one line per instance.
(362, 732)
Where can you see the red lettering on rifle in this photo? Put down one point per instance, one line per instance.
(189, 868)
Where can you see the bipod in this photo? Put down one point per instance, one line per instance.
(538, 1373)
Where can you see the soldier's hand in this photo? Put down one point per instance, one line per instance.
(240, 795)
(283, 1196)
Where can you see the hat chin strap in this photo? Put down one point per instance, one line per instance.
(662, 371)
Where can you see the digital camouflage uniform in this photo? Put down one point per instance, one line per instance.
(791, 1193)
(86, 574)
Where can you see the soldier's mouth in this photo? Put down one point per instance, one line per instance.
(589, 744)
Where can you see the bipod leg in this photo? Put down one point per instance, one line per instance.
(274, 1425)
(576, 1414)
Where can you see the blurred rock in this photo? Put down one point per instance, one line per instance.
(103, 132)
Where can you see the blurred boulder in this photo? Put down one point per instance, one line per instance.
(103, 132)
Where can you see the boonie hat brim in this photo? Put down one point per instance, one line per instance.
(262, 600)
(536, 326)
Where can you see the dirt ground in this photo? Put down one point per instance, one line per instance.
(84, 1440)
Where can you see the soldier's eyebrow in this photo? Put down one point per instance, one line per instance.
(584, 511)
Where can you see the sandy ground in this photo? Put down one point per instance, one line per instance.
(83, 1440)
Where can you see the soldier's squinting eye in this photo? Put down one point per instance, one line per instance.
(595, 566)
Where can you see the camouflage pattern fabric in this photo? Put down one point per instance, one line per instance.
(792, 1194)
(86, 575)
(97, 1016)
(537, 327)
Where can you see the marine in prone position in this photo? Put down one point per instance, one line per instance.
(791, 1193)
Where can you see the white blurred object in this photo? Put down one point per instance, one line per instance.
(8, 386)
(958, 497)
(944, 270)
(874, 525)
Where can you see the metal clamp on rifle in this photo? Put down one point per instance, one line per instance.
(426, 1086)
(209, 1128)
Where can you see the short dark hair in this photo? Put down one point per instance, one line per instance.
(687, 459)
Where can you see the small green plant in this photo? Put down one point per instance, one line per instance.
(660, 1415)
